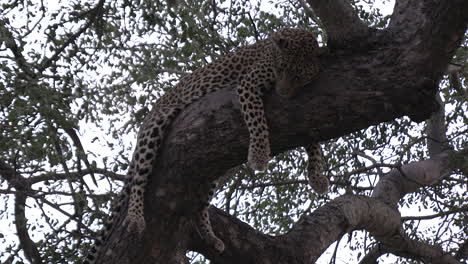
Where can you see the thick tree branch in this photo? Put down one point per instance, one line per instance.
(413, 249)
(313, 234)
(410, 177)
(340, 21)
(416, 23)
(425, 252)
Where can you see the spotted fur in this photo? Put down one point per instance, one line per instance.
(285, 62)
(315, 168)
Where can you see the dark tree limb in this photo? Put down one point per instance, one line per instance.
(22, 187)
(340, 21)
(391, 78)
(417, 25)
(29, 247)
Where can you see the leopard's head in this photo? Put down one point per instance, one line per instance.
(296, 59)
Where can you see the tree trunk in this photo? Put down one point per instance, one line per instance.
(368, 77)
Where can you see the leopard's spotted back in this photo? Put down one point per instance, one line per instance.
(285, 61)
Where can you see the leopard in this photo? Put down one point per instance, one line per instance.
(284, 62)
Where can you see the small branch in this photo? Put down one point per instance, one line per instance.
(454, 68)
(304, 182)
(13, 255)
(310, 13)
(93, 14)
(171, 71)
(80, 152)
(374, 162)
(76, 175)
(6, 36)
(429, 217)
(36, 24)
(256, 33)
(29, 247)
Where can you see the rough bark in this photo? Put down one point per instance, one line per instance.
(390, 74)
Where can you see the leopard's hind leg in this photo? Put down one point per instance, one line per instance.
(149, 141)
(203, 223)
(315, 168)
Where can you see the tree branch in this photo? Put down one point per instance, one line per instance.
(6, 36)
(340, 21)
(310, 12)
(76, 175)
(416, 24)
(93, 15)
(410, 177)
(432, 216)
(29, 247)
(436, 131)
(373, 254)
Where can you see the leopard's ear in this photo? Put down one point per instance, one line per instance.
(281, 42)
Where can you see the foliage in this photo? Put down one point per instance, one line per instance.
(77, 78)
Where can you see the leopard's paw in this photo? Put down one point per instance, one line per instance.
(135, 223)
(319, 184)
(258, 160)
(217, 244)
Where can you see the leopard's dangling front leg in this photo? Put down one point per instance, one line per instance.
(250, 91)
(315, 168)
